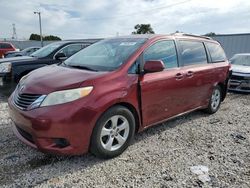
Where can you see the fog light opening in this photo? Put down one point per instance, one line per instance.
(61, 142)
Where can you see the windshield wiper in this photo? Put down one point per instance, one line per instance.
(83, 67)
(62, 63)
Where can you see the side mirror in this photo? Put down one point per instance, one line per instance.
(60, 56)
(153, 66)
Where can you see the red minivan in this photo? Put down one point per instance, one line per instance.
(101, 96)
(6, 47)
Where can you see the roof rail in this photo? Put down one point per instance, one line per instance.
(191, 35)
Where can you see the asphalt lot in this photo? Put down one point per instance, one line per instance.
(162, 156)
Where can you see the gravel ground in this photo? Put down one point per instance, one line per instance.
(162, 156)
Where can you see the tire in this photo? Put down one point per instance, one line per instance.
(113, 132)
(215, 100)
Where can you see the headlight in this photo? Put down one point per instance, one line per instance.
(60, 97)
(5, 67)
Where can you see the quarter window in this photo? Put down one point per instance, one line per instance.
(134, 69)
(216, 52)
(164, 51)
(192, 53)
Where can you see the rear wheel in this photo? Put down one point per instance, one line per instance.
(113, 132)
(215, 100)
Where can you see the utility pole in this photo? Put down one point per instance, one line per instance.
(14, 35)
(40, 24)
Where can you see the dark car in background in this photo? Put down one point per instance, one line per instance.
(13, 69)
(6, 47)
(24, 52)
(240, 79)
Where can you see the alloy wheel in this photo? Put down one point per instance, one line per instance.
(114, 133)
(215, 100)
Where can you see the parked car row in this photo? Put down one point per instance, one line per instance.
(8, 50)
(98, 98)
(6, 47)
(24, 52)
(13, 69)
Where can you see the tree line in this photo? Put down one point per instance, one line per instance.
(139, 29)
(34, 36)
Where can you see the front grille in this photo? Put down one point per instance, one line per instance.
(23, 101)
(235, 77)
(25, 134)
(245, 88)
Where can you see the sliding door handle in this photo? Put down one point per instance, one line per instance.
(179, 76)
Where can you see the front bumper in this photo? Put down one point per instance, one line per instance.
(63, 129)
(239, 82)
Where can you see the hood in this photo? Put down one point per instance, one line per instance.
(17, 59)
(11, 52)
(241, 68)
(55, 78)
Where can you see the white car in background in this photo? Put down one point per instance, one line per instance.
(240, 79)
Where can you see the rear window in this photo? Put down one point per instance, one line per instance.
(5, 45)
(192, 53)
(216, 52)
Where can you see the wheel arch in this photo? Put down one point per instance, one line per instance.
(130, 107)
(223, 86)
(126, 105)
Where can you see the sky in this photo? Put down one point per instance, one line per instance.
(75, 19)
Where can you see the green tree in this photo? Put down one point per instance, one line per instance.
(143, 29)
(211, 34)
(51, 37)
(34, 37)
(46, 38)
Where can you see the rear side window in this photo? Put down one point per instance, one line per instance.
(5, 45)
(162, 50)
(216, 52)
(192, 52)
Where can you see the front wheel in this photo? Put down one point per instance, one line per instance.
(215, 100)
(113, 132)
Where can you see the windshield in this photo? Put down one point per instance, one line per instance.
(46, 50)
(27, 49)
(241, 60)
(106, 55)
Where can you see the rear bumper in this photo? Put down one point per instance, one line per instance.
(60, 129)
